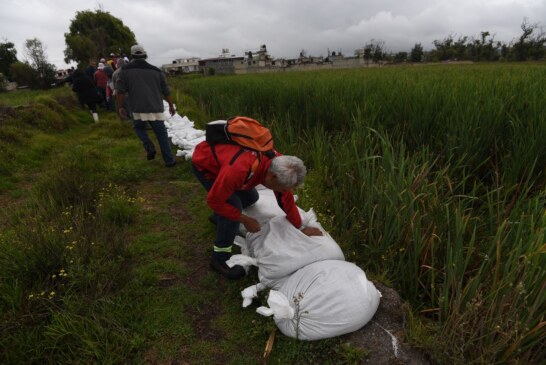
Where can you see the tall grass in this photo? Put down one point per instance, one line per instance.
(63, 258)
(28, 115)
(434, 177)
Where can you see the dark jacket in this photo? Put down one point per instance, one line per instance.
(145, 85)
(84, 87)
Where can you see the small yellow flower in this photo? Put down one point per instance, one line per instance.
(31, 296)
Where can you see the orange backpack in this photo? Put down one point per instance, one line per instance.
(241, 131)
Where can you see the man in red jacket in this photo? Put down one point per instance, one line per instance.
(227, 173)
(101, 81)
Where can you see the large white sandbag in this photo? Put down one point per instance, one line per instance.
(265, 208)
(281, 249)
(323, 300)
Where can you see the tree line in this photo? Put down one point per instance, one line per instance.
(96, 34)
(529, 46)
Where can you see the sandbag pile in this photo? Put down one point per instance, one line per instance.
(182, 133)
(315, 293)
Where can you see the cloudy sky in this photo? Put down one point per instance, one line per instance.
(172, 29)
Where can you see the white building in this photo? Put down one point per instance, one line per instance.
(182, 65)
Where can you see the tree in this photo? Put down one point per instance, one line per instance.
(94, 34)
(530, 46)
(401, 57)
(416, 54)
(23, 74)
(37, 59)
(444, 49)
(378, 50)
(460, 48)
(8, 55)
(374, 50)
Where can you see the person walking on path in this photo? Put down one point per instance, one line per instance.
(91, 69)
(84, 87)
(109, 90)
(223, 170)
(101, 81)
(115, 79)
(147, 88)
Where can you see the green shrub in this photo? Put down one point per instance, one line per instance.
(76, 178)
(116, 206)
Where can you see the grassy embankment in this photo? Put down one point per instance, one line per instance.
(430, 177)
(104, 255)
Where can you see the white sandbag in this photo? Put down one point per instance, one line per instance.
(281, 249)
(266, 207)
(327, 299)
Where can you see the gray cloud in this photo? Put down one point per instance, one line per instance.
(177, 29)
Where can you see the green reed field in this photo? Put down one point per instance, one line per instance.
(430, 177)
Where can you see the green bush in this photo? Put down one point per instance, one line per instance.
(62, 260)
(74, 179)
(116, 206)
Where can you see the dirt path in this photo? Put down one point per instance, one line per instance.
(167, 196)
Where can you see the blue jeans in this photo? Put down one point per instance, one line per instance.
(226, 229)
(158, 126)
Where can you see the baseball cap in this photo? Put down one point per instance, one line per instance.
(138, 50)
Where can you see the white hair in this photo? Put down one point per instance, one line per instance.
(290, 171)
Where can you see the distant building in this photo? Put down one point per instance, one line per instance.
(223, 64)
(258, 61)
(61, 74)
(182, 65)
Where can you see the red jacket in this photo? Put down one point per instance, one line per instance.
(228, 178)
(101, 79)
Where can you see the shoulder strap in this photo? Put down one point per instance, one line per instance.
(254, 166)
(213, 150)
(252, 169)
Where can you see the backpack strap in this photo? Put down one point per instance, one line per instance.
(213, 150)
(235, 156)
(252, 169)
(254, 166)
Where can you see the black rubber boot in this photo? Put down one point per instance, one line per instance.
(219, 265)
(150, 155)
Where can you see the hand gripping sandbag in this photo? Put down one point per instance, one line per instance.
(328, 298)
(280, 249)
(265, 208)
